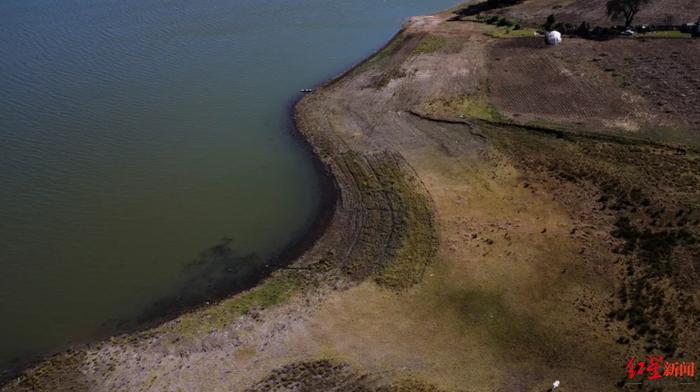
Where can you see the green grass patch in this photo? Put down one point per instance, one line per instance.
(419, 241)
(479, 107)
(665, 34)
(389, 49)
(275, 290)
(509, 32)
(475, 106)
(430, 44)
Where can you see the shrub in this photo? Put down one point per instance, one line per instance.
(504, 22)
(550, 22)
(486, 6)
(493, 20)
(564, 28)
(583, 29)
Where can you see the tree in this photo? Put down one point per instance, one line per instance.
(625, 10)
(551, 20)
(583, 29)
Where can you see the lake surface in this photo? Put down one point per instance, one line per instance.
(146, 152)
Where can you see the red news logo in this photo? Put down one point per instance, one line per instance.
(656, 368)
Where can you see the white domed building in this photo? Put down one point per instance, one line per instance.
(552, 37)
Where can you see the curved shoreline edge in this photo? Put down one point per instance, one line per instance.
(509, 214)
(299, 244)
(334, 233)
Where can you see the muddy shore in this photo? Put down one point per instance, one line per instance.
(479, 241)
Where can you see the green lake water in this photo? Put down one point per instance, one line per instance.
(146, 152)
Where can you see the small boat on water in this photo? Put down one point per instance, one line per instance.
(306, 90)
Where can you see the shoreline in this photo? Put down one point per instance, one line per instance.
(428, 273)
(284, 258)
(302, 242)
(330, 195)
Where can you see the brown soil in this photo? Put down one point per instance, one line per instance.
(601, 86)
(470, 250)
(532, 81)
(589, 86)
(660, 12)
(667, 75)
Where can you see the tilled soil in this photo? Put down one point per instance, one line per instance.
(647, 88)
(658, 12)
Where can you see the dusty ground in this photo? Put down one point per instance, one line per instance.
(470, 250)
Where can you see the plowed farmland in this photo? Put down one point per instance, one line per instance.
(647, 87)
(593, 11)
